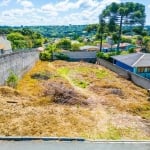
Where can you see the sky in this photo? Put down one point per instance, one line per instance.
(57, 12)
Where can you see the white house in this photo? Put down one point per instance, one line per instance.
(5, 45)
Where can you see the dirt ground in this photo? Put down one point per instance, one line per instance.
(74, 99)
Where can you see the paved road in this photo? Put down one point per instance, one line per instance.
(60, 145)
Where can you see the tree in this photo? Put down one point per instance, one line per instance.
(139, 41)
(101, 30)
(91, 27)
(146, 43)
(64, 44)
(25, 38)
(17, 40)
(51, 49)
(125, 13)
(114, 37)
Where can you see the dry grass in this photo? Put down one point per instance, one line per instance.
(115, 107)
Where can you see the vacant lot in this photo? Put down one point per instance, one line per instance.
(74, 99)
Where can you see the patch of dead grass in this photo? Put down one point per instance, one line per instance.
(37, 114)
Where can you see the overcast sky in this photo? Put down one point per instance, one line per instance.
(56, 12)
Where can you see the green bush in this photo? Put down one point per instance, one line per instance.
(126, 40)
(81, 84)
(62, 56)
(45, 56)
(75, 47)
(12, 79)
(106, 56)
(131, 50)
(64, 44)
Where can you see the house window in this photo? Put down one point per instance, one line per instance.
(141, 70)
(148, 69)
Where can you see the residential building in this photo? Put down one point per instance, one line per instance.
(123, 46)
(89, 48)
(5, 45)
(138, 63)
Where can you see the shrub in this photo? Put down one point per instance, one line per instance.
(126, 40)
(12, 79)
(106, 56)
(41, 76)
(131, 50)
(64, 44)
(75, 47)
(81, 84)
(45, 56)
(62, 56)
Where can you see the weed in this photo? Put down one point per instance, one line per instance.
(101, 74)
(41, 76)
(81, 84)
(12, 79)
(63, 71)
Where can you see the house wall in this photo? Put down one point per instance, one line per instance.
(124, 66)
(18, 62)
(145, 74)
(5, 42)
(135, 78)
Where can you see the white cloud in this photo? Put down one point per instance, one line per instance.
(25, 3)
(5, 2)
(63, 12)
(67, 5)
(149, 6)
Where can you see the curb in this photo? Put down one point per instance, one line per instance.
(41, 138)
(68, 139)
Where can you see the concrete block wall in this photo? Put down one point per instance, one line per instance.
(113, 68)
(88, 56)
(18, 62)
(138, 80)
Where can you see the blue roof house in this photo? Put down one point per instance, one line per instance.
(138, 63)
(124, 46)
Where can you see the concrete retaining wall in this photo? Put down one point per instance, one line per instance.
(138, 80)
(87, 56)
(113, 68)
(18, 62)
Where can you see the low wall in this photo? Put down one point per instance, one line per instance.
(113, 68)
(138, 80)
(18, 62)
(87, 56)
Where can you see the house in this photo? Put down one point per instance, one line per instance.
(138, 63)
(106, 47)
(40, 49)
(123, 46)
(5, 45)
(89, 48)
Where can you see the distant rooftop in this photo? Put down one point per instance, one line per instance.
(1, 46)
(89, 48)
(135, 59)
(122, 45)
